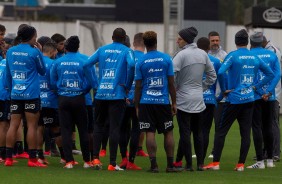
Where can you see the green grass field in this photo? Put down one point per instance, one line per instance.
(21, 174)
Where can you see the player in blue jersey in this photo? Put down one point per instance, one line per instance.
(242, 67)
(116, 72)
(264, 104)
(68, 76)
(49, 103)
(154, 82)
(24, 63)
(60, 40)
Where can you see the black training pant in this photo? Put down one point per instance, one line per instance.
(243, 113)
(207, 119)
(73, 110)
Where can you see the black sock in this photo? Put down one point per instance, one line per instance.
(62, 153)
(131, 158)
(9, 152)
(113, 163)
(153, 161)
(169, 162)
(32, 153)
(19, 147)
(40, 154)
(3, 152)
(91, 155)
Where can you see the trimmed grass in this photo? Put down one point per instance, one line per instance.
(20, 173)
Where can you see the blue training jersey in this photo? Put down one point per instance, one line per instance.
(272, 61)
(4, 93)
(209, 94)
(48, 97)
(116, 70)
(137, 54)
(68, 76)
(153, 69)
(242, 67)
(24, 63)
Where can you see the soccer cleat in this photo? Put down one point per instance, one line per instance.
(141, 153)
(239, 167)
(47, 153)
(177, 164)
(210, 156)
(43, 161)
(23, 155)
(76, 152)
(194, 156)
(189, 169)
(55, 153)
(74, 162)
(174, 169)
(69, 165)
(114, 168)
(123, 163)
(9, 162)
(154, 170)
(88, 164)
(257, 165)
(200, 168)
(63, 161)
(33, 163)
(2, 161)
(269, 163)
(103, 153)
(212, 166)
(132, 166)
(276, 159)
(97, 164)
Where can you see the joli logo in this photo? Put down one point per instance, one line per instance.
(272, 15)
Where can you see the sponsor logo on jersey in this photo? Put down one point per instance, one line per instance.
(44, 85)
(70, 63)
(66, 72)
(245, 91)
(154, 93)
(248, 66)
(109, 73)
(152, 70)
(13, 107)
(71, 83)
(113, 51)
(246, 57)
(43, 95)
(207, 92)
(144, 125)
(106, 86)
(153, 60)
(29, 106)
(111, 60)
(19, 75)
(168, 124)
(264, 56)
(155, 82)
(247, 78)
(19, 63)
(19, 53)
(20, 87)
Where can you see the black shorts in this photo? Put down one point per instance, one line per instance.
(5, 110)
(90, 122)
(154, 117)
(21, 106)
(49, 117)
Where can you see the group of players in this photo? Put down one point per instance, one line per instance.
(136, 92)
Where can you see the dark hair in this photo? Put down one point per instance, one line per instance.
(26, 33)
(22, 25)
(138, 39)
(43, 40)
(58, 37)
(72, 44)
(50, 45)
(213, 33)
(119, 35)
(203, 43)
(127, 41)
(150, 38)
(2, 28)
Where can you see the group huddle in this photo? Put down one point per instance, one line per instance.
(124, 93)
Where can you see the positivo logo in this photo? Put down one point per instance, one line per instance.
(272, 15)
